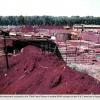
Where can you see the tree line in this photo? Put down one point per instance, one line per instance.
(48, 20)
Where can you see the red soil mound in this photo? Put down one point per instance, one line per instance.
(91, 36)
(33, 72)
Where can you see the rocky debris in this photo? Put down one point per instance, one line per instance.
(55, 81)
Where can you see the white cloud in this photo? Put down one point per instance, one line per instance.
(50, 7)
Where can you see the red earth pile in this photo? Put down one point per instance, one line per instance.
(24, 29)
(33, 72)
(91, 36)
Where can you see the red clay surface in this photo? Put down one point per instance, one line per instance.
(91, 36)
(32, 72)
(29, 28)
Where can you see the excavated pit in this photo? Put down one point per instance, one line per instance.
(45, 45)
(16, 46)
(34, 72)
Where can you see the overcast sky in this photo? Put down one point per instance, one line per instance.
(50, 7)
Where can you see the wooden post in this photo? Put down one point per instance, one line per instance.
(5, 50)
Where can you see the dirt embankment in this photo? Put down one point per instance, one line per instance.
(33, 72)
